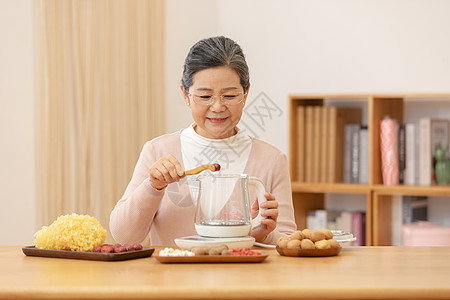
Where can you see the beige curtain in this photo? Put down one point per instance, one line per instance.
(100, 82)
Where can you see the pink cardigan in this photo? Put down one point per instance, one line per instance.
(169, 213)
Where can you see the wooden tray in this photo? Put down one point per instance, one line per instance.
(213, 258)
(309, 252)
(33, 251)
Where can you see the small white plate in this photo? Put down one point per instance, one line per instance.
(343, 237)
(199, 241)
(265, 245)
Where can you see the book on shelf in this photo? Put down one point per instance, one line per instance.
(359, 228)
(363, 155)
(351, 153)
(338, 117)
(300, 170)
(324, 144)
(433, 133)
(355, 154)
(412, 148)
(317, 147)
(401, 153)
(396, 221)
(347, 155)
(309, 146)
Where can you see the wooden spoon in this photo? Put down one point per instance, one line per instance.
(212, 167)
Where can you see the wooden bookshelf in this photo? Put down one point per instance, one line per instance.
(310, 195)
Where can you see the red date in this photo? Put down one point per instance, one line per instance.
(137, 246)
(107, 249)
(244, 251)
(117, 248)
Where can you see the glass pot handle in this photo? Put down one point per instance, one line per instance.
(260, 190)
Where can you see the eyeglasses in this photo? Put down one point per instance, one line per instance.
(228, 98)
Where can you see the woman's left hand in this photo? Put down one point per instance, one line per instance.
(270, 212)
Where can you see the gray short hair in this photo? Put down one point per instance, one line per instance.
(215, 52)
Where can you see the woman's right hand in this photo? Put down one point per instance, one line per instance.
(166, 170)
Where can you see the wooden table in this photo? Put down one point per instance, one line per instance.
(357, 273)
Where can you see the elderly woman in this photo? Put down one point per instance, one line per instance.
(160, 200)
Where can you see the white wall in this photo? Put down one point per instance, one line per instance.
(186, 23)
(326, 46)
(339, 47)
(17, 120)
(295, 46)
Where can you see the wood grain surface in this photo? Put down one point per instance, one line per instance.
(356, 273)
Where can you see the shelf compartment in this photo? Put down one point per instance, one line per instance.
(307, 195)
(379, 108)
(303, 202)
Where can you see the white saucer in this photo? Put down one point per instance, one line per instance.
(200, 241)
(343, 237)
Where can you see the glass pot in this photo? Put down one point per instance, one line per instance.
(223, 206)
